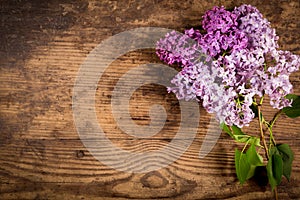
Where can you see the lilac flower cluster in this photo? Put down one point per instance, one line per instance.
(241, 62)
(178, 48)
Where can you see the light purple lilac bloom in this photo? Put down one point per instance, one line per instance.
(242, 61)
(257, 28)
(219, 19)
(177, 48)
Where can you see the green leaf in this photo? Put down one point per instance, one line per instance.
(274, 168)
(246, 163)
(225, 128)
(237, 131)
(238, 135)
(242, 166)
(277, 167)
(271, 178)
(251, 172)
(253, 157)
(241, 138)
(294, 110)
(287, 158)
(255, 141)
(291, 96)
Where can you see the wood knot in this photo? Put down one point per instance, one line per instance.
(154, 180)
(79, 153)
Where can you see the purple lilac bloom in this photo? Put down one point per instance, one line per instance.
(210, 43)
(192, 81)
(215, 43)
(242, 61)
(278, 85)
(222, 33)
(245, 9)
(240, 66)
(177, 48)
(286, 62)
(194, 34)
(219, 19)
(257, 28)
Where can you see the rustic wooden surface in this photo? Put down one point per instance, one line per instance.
(43, 44)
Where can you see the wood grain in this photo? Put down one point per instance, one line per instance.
(43, 45)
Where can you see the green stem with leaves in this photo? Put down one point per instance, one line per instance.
(260, 120)
(262, 132)
(263, 139)
(279, 156)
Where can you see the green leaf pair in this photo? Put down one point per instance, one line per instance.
(246, 163)
(294, 110)
(280, 163)
(238, 135)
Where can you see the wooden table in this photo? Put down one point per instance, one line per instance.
(44, 43)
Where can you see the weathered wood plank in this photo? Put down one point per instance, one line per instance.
(42, 47)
